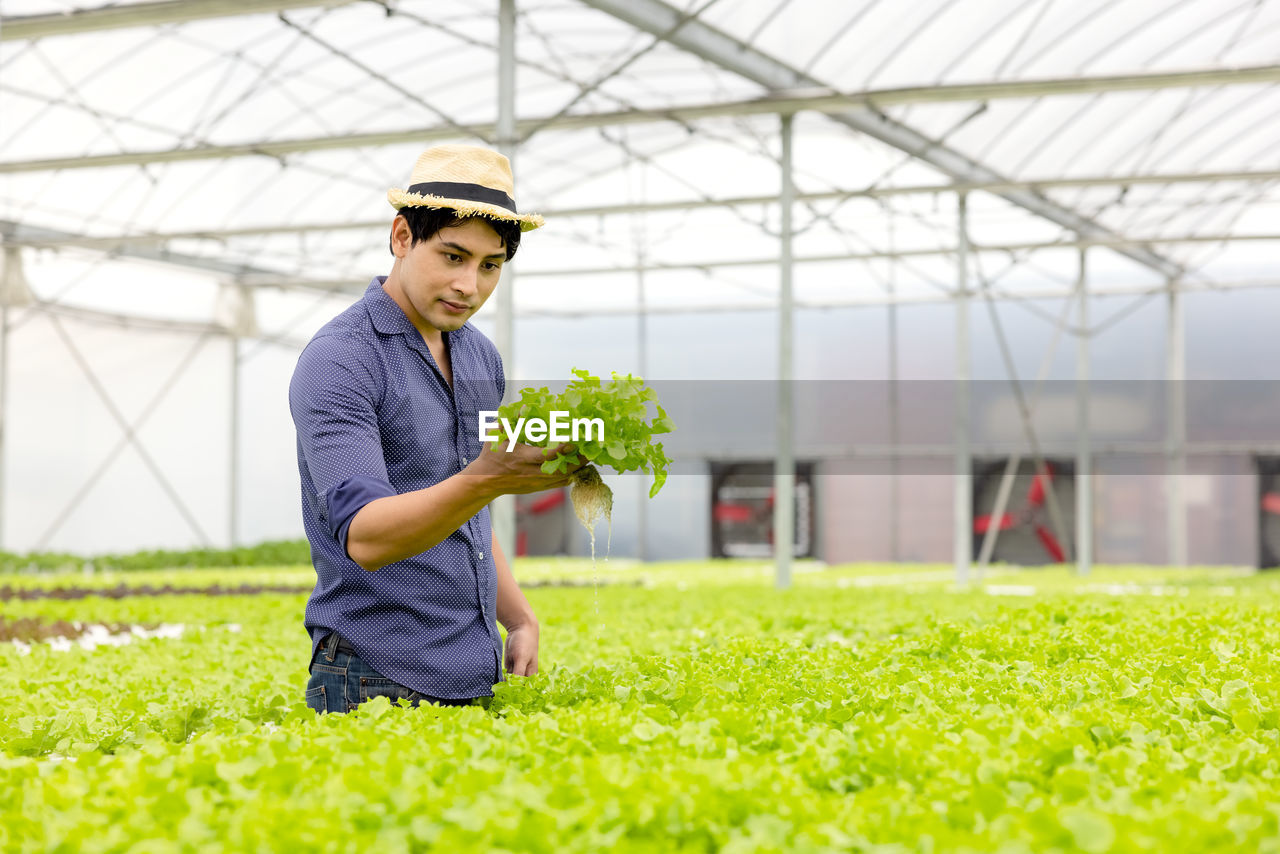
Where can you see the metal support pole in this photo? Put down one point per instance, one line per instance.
(13, 292)
(637, 195)
(241, 321)
(784, 476)
(895, 537)
(963, 475)
(4, 401)
(503, 517)
(1176, 459)
(642, 358)
(233, 510)
(1084, 455)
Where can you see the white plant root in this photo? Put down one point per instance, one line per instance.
(592, 498)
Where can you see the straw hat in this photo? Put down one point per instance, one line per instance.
(473, 181)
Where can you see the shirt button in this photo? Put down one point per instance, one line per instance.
(481, 554)
(465, 461)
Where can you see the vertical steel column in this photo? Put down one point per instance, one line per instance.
(895, 544)
(4, 399)
(241, 323)
(642, 320)
(640, 236)
(642, 357)
(1084, 456)
(503, 517)
(963, 474)
(784, 475)
(233, 512)
(1176, 451)
(14, 291)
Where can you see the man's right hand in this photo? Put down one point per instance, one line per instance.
(520, 470)
(391, 529)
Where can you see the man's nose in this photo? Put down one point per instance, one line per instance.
(467, 280)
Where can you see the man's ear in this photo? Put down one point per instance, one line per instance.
(401, 236)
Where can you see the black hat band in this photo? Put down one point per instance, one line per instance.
(465, 192)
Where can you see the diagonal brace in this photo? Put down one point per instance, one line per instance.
(130, 436)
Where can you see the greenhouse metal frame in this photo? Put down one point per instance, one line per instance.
(738, 81)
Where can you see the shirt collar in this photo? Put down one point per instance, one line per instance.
(389, 319)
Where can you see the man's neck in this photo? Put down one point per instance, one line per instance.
(430, 334)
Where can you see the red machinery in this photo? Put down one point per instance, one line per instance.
(544, 503)
(1031, 515)
(742, 504)
(1268, 511)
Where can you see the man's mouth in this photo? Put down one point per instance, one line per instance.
(455, 305)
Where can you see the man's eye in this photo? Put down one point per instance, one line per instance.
(453, 257)
(492, 266)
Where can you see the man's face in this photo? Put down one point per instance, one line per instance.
(447, 278)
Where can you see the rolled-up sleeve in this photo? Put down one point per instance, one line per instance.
(333, 398)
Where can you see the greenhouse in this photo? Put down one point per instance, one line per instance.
(973, 305)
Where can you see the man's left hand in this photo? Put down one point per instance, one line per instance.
(522, 650)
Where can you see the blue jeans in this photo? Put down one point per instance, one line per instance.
(340, 681)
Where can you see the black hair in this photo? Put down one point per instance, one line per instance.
(425, 223)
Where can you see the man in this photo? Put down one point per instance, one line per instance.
(395, 481)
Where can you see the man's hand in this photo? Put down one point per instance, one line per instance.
(522, 650)
(519, 471)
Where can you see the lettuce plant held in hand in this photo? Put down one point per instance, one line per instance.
(627, 444)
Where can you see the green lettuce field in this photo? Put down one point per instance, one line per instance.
(681, 707)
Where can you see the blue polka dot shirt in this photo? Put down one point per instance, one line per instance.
(375, 417)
